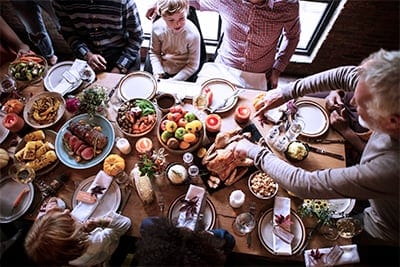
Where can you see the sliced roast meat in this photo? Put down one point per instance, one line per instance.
(87, 153)
(89, 134)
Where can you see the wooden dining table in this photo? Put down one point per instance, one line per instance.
(136, 210)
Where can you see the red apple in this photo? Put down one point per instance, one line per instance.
(182, 122)
(162, 125)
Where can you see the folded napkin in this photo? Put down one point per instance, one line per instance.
(101, 182)
(70, 77)
(281, 208)
(191, 207)
(349, 255)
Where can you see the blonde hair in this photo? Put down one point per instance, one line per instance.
(170, 7)
(381, 73)
(55, 239)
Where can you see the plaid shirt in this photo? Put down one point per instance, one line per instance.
(111, 28)
(251, 32)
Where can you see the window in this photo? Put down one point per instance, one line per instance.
(316, 18)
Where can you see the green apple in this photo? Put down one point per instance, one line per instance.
(190, 116)
(165, 135)
(179, 133)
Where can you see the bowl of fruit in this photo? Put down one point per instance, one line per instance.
(136, 117)
(180, 131)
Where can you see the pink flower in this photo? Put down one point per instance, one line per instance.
(72, 104)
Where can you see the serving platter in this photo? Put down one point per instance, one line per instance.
(315, 118)
(342, 206)
(109, 202)
(50, 136)
(28, 117)
(221, 89)
(265, 228)
(3, 130)
(67, 159)
(138, 84)
(209, 213)
(55, 76)
(9, 191)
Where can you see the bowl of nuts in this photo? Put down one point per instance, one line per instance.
(262, 185)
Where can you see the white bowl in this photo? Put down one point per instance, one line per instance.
(262, 186)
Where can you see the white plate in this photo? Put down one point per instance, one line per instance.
(9, 191)
(138, 84)
(314, 116)
(209, 213)
(28, 107)
(55, 75)
(265, 231)
(70, 161)
(221, 89)
(109, 202)
(342, 206)
(3, 130)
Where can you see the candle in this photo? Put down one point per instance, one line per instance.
(242, 114)
(213, 123)
(236, 199)
(144, 145)
(123, 145)
(13, 122)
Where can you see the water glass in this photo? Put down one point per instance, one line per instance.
(21, 173)
(295, 129)
(244, 223)
(349, 227)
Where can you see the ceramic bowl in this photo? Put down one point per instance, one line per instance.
(262, 186)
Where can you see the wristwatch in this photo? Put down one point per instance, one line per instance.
(122, 69)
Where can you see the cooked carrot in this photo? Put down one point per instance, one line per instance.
(20, 197)
(31, 58)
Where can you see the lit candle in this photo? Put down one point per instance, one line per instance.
(144, 145)
(236, 199)
(13, 122)
(242, 114)
(123, 145)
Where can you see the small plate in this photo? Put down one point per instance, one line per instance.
(28, 117)
(109, 202)
(50, 136)
(68, 160)
(209, 213)
(221, 89)
(9, 191)
(265, 231)
(138, 84)
(315, 117)
(342, 206)
(55, 75)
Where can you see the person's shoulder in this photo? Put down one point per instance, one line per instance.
(191, 28)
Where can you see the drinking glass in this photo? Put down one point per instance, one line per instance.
(200, 103)
(244, 223)
(21, 173)
(295, 129)
(349, 227)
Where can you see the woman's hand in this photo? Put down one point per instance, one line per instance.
(272, 99)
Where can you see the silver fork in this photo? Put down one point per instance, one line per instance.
(161, 204)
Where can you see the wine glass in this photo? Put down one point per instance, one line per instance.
(244, 223)
(348, 227)
(295, 129)
(200, 102)
(21, 173)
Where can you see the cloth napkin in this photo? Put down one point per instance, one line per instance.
(188, 220)
(82, 211)
(349, 256)
(281, 207)
(70, 77)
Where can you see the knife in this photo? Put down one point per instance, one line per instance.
(326, 153)
(111, 93)
(223, 102)
(126, 198)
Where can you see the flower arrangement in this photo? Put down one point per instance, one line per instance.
(152, 163)
(317, 208)
(92, 100)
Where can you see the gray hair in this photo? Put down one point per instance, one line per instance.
(381, 72)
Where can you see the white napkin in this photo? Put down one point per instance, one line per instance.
(70, 77)
(191, 221)
(350, 255)
(281, 207)
(82, 211)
